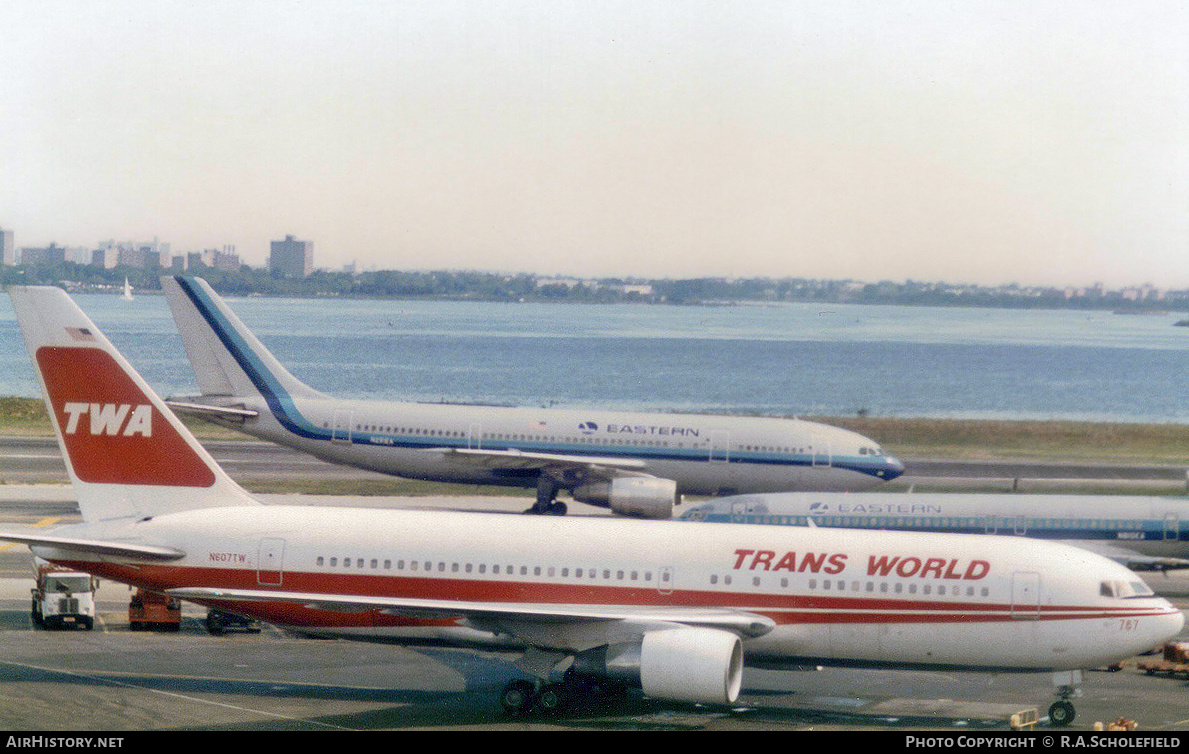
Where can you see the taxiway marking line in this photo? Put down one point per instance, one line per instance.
(172, 694)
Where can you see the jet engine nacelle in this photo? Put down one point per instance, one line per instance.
(702, 665)
(642, 496)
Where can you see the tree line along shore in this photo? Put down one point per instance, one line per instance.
(903, 437)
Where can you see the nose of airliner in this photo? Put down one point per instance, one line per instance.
(893, 468)
(1171, 621)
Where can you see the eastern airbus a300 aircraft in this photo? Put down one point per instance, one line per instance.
(671, 606)
(636, 464)
(1144, 533)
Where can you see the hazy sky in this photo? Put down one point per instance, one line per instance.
(1038, 142)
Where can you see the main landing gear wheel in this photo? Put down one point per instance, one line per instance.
(552, 697)
(517, 697)
(1061, 713)
(546, 504)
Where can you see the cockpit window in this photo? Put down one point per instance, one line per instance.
(1140, 589)
(1124, 589)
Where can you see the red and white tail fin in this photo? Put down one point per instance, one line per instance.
(128, 455)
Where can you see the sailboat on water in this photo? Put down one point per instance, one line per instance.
(127, 290)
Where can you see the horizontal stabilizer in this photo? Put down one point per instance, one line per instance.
(198, 409)
(96, 547)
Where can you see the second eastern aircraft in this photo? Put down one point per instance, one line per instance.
(636, 464)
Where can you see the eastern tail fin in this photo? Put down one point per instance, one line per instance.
(126, 452)
(227, 358)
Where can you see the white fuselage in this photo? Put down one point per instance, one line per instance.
(849, 597)
(704, 454)
(1152, 525)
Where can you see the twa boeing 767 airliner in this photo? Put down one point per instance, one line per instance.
(673, 607)
(635, 464)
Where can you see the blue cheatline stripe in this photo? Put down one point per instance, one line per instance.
(283, 407)
(1152, 530)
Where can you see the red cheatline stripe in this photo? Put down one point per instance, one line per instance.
(793, 609)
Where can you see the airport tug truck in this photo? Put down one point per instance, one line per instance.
(62, 598)
(153, 611)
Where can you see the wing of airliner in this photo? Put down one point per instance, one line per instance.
(558, 464)
(1134, 560)
(573, 621)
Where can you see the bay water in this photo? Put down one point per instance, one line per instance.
(780, 359)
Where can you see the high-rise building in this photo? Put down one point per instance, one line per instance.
(227, 259)
(8, 249)
(48, 256)
(291, 258)
(106, 256)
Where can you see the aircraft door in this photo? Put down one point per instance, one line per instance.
(720, 446)
(474, 437)
(819, 451)
(270, 559)
(1025, 595)
(341, 430)
(1172, 526)
(747, 511)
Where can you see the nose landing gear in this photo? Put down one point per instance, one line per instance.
(1069, 686)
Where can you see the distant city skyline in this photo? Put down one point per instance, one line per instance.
(294, 258)
(986, 143)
